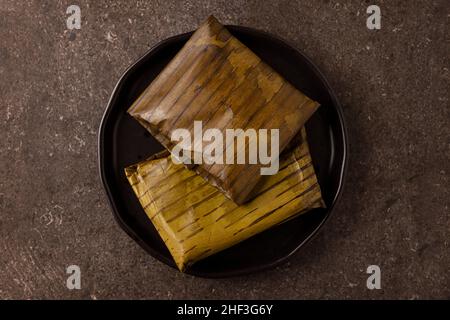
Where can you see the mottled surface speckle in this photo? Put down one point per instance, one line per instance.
(394, 86)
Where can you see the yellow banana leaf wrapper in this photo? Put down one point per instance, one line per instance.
(196, 220)
(216, 80)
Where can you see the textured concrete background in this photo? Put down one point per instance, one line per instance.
(394, 86)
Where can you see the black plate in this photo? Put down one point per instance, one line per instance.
(123, 141)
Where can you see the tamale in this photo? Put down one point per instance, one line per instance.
(195, 220)
(217, 80)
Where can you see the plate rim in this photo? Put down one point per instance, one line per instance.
(149, 249)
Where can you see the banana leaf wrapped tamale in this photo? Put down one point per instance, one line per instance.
(217, 80)
(195, 220)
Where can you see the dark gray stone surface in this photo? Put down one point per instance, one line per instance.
(394, 86)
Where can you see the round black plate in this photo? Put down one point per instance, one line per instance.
(123, 141)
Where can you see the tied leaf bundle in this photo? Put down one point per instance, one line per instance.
(195, 220)
(217, 80)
